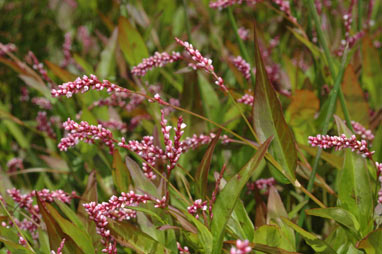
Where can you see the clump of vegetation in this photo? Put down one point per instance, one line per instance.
(192, 126)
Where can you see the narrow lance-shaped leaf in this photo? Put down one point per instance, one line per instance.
(201, 176)
(268, 120)
(228, 197)
(121, 174)
(355, 188)
(131, 42)
(106, 65)
(318, 245)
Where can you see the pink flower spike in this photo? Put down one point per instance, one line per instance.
(242, 66)
(44, 125)
(157, 60)
(341, 142)
(60, 248)
(197, 206)
(246, 99)
(85, 132)
(82, 85)
(115, 209)
(201, 62)
(221, 4)
(182, 250)
(243, 33)
(362, 131)
(242, 247)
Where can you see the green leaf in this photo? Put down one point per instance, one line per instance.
(228, 197)
(243, 222)
(37, 84)
(141, 182)
(131, 236)
(201, 176)
(131, 42)
(272, 236)
(268, 120)
(372, 243)
(106, 65)
(340, 215)
(276, 211)
(55, 232)
(17, 133)
(83, 63)
(63, 74)
(78, 235)
(14, 247)
(355, 188)
(318, 245)
(334, 160)
(121, 175)
(211, 103)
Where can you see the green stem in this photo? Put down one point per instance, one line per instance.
(188, 30)
(243, 50)
(328, 117)
(329, 58)
(360, 15)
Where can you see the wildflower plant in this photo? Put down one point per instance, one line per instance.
(222, 126)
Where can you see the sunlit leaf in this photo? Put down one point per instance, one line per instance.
(268, 120)
(227, 198)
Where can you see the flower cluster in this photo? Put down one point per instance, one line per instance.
(25, 201)
(262, 184)
(242, 247)
(14, 164)
(5, 48)
(85, 132)
(243, 33)
(66, 48)
(24, 94)
(197, 206)
(114, 124)
(246, 99)
(173, 150)
(147, 151)
(39, 67)
(341, 142)
(362, 131)
(81, 85)
(242, 66)
(157, 60)
(60, 248)
(379, 173)
(182, 250)
(221, 4)
(42, 103)
(201, 62)
(44, 125)
(116, 209)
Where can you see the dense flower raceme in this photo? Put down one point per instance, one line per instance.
(341, 142)
(182, 250)
(14, 164)
(7, 48)
(44, 124)
(85, 132)
(243, 33)
(116, 209)
(201, 62)
(261, 184)
(25, 201)
(42, 102)
(196, 207)
(362, 131)
(60, 248)
(242, 247)
(246, 99)
(81, 85)
(39, 67)
(282, 4)
(145, 148)
(242, 66)
(66, 48)
(157, 60)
